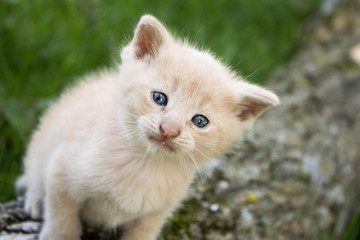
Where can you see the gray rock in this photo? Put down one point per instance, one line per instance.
(18, 236)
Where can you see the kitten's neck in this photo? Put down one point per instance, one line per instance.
(176, 161)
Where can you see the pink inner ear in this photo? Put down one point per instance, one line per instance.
(251, 108)
(150, 35)
(146, 41)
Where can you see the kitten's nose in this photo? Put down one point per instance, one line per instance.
(169, 130)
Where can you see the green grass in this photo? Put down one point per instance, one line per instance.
(353, 230)
(45, 45)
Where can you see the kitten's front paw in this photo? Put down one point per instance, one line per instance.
(33, 207)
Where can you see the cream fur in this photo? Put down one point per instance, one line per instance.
(92, 157)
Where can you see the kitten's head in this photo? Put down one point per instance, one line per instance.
(180, 100)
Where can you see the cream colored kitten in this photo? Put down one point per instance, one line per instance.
(121, 147)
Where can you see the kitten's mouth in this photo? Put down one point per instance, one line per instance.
(162, 143)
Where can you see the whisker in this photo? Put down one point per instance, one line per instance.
(210, 147)
(248, 76)
(196, 165)
(132, 114)
(206, 157)
(131, 122)
(183, 164)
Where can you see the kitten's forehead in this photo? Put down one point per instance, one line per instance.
(196, 75)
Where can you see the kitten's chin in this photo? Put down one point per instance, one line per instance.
(162, 144)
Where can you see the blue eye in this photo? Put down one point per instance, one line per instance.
(160, 98)
(200, 121)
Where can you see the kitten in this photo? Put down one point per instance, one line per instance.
(121, 147)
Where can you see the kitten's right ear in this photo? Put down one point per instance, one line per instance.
(149, 36)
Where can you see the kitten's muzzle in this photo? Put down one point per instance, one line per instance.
(168, 130)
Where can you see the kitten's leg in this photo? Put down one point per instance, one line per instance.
(34, 198)
(35, 162)
(35, 191)
(145, 228)
(62, 220)
(21, 184)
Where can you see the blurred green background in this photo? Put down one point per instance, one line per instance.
(45, 45)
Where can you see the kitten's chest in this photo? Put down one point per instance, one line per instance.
(153, 188)
(134, 191)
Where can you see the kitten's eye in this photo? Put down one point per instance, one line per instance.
(160, 98)
(200, 121)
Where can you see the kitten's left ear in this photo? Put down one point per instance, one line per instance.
(254, 100)
(149, 36)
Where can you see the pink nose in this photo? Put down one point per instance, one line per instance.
(169, 130)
